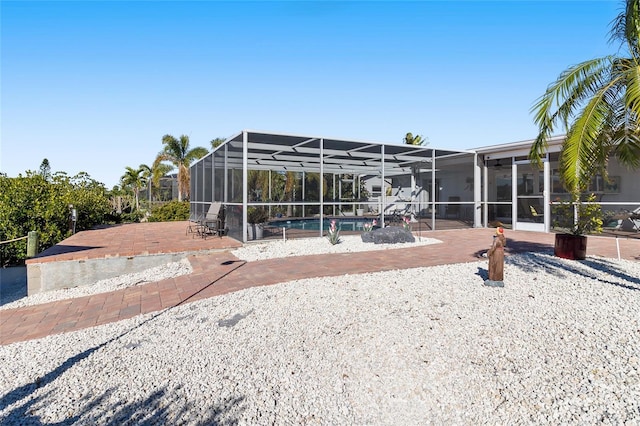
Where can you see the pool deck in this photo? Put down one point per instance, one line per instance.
(216, 271)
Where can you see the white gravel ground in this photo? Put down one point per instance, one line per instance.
(307, 246)
(559, 344)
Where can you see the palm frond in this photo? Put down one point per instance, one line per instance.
(597, 102)
(581, 150)
(618, 28)
(560, 102)
(632, 27)
(195, 154)
(631, 74)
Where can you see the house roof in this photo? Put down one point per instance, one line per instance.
(555, 143)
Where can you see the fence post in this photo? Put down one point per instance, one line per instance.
(32, 244)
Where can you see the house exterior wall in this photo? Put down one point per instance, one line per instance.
(504, 203)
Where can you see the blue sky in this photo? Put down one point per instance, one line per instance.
(93, 86)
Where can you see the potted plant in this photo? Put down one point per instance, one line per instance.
(256, 217)
(576, 220)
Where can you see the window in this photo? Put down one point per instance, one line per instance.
(556, 183)
(597, 185)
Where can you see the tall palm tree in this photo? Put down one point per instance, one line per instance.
(147, 175)
(291, 185)
(153, 174)
(177, 152)
(134, 179)
(597, 104)
(409, 139)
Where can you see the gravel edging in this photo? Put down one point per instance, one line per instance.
(307, 246)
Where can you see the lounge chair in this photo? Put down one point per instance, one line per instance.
(632, 223)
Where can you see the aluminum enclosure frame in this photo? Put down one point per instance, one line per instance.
(259, 150)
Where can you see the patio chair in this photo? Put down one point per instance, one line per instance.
(537, 217)
(213, 223)
(630, 225)
(194, 223)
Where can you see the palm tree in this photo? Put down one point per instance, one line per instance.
(597, 104)
(409, 139)
(134, 179)
(177, 152)
(291, 185)
(147, 175)
(153, 175)
(258, 185)
(216, 142)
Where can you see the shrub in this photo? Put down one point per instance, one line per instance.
(257, 215)
(33, 203)
(589, 216)
(174, 210)
(131, 216)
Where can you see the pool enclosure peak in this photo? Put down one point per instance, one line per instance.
(298, 176)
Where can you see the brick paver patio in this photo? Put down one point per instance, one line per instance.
(216, 271)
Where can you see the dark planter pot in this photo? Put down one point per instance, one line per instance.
(254, 231)
(570, 246)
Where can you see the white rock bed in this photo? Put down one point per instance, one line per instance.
(306, 246)
(169, 270)
(559, 344)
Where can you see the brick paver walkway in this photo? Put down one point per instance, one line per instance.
(216, 271)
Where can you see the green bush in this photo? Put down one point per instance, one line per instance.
(174, 210)
(257, 215)
(33, 203)
(131, 217)
(589, 218)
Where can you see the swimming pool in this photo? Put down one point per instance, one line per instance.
(343, 223)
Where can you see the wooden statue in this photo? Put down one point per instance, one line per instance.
(496, 259)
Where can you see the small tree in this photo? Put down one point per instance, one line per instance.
(578, 218)
(45, 169)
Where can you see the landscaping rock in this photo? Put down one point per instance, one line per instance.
(388, 235)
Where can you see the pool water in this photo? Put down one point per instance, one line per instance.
(343, 224)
